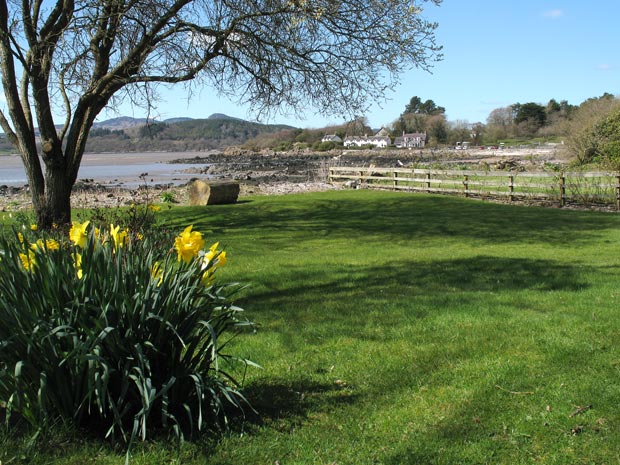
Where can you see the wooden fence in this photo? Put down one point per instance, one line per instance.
(563, 188)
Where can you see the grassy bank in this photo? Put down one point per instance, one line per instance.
(398, 328)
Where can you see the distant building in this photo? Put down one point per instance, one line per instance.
(383, 132)
(379, 140)
(415, 140)
(331, 138)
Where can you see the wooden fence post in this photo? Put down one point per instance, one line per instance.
(511, 187)
(562, 189)
(395, 180)
(466, 185)
(428, 181)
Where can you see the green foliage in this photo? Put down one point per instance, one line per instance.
(599, 141)
(283, 146)
(309, 136)
(323, 146)
(106, 132)
(168, 197)
(152, 130)
(530, 117)
(607, 133)
(582, 137)
(410, 122)
(422, 116)
(140, 217)
(115, 335)
(438, 129)
(429, 107)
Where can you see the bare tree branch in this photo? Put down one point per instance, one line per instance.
(75, 57)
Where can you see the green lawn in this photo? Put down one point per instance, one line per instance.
(410, 329)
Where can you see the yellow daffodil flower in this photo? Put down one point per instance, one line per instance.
(188, 244)
(77, 233)
(48, 244)
(221, 259)
(209, 255)
(207, 278)
(33, 227)
(99, 236)
(77, 261)
(28, 260)
(121, 238)
(212, 254)
(52, 244)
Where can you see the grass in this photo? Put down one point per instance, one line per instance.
(398, 328)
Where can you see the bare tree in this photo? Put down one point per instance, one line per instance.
(75, 58)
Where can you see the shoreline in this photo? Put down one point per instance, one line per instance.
(265, 173)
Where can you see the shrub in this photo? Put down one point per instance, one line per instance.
(323, 146)
(590, 133)
(105, 332)
(168, 197)
(139, 217)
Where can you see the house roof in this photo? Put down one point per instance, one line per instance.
(415, 135)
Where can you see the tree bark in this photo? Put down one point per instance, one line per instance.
(55, 208)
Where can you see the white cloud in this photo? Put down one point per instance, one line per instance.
(553, 14)
(605, 67)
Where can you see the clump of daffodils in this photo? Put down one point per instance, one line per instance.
(189, 245)
(109, 315)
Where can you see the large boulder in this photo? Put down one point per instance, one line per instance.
(213, 192)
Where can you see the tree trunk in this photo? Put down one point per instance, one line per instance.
(55, 206)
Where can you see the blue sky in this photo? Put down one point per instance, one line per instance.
(496, 52)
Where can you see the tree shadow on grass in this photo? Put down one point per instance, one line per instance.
(493, 421)
(284, 404)
(397, 216)
(407, 282)
(469, 434)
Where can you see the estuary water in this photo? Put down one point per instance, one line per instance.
(116, 169)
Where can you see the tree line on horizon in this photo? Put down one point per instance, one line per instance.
(518, 121)
(556, 120)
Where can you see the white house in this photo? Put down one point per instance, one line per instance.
(412, 140)
(331, 138)
(379, 140)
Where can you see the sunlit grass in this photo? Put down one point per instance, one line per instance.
(397, 328)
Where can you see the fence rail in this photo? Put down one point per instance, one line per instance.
(564, 187)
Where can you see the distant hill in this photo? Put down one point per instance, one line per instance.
(121, 122)
(222, 116)
(176, 120)
(218, 131)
